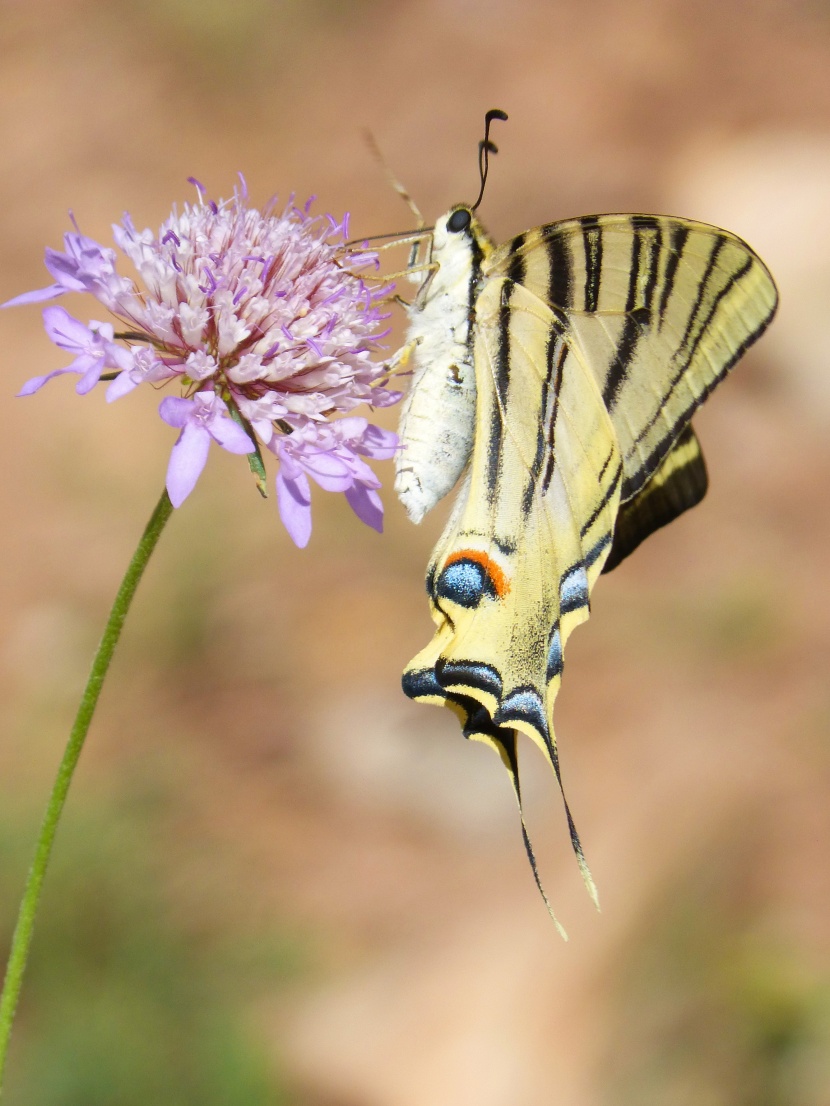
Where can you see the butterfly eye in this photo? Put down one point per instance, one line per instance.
(459, 220)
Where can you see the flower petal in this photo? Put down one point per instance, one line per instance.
(187, 460)
(117, 357)
(119, 387)
(65, 330)
(231, 436)
(36, 382)
(91, 373)
(294, 502)
(367, 505)
(327, 470)
(353, 426)
(37, 296)
(378, 443)
(86, 266)
(361, 473)
(176, 411)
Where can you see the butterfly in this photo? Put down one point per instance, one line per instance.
(555, 376)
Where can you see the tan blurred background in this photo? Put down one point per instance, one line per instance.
(279, 880)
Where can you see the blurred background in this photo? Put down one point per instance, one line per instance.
(278, 880)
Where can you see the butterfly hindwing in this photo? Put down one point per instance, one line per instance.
(512, 573)
(678, 484)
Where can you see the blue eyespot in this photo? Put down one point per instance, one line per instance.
(468, 576)
(464, 582)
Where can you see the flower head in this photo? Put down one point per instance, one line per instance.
(263, 319)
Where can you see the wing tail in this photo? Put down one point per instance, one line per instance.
(506, 746)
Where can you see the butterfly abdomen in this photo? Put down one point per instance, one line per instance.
(438, 414)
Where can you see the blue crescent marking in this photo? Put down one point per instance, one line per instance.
(523, 704)
(470, 673)
(555, 657)
(573, 591)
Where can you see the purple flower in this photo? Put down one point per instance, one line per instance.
(269, 323)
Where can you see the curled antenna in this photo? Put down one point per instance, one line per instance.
(485, 148)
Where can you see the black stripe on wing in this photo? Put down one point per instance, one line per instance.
(482, 677)
(560, 281)
(702, 288)
(633, 270)
(517, 269)
(738, 275)
(611, 487)
(634, 328)
(555, 357)
(523, 704)
(644, 261)
(502, 378)
(678, 237)
(548, 424)
(633, 484)
(653, 236)
(592, 242)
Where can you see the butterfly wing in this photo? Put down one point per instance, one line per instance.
(511, 575)
(679, 483)
(661, 309)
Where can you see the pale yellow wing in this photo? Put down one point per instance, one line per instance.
(660, 308)
(512, 573)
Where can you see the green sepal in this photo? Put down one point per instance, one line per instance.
(255, 462)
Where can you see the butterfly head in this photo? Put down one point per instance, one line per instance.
(458, 244)
(460, 230)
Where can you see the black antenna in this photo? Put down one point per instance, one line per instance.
(485, 148)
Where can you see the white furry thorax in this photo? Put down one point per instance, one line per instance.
(438, 413)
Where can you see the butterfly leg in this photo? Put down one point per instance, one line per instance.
(397, 365)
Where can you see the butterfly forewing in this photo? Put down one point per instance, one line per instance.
(661, 309)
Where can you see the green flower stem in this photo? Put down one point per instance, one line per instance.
(22, 939)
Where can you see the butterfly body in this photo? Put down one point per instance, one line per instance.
(589, 345)
(438, 412)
